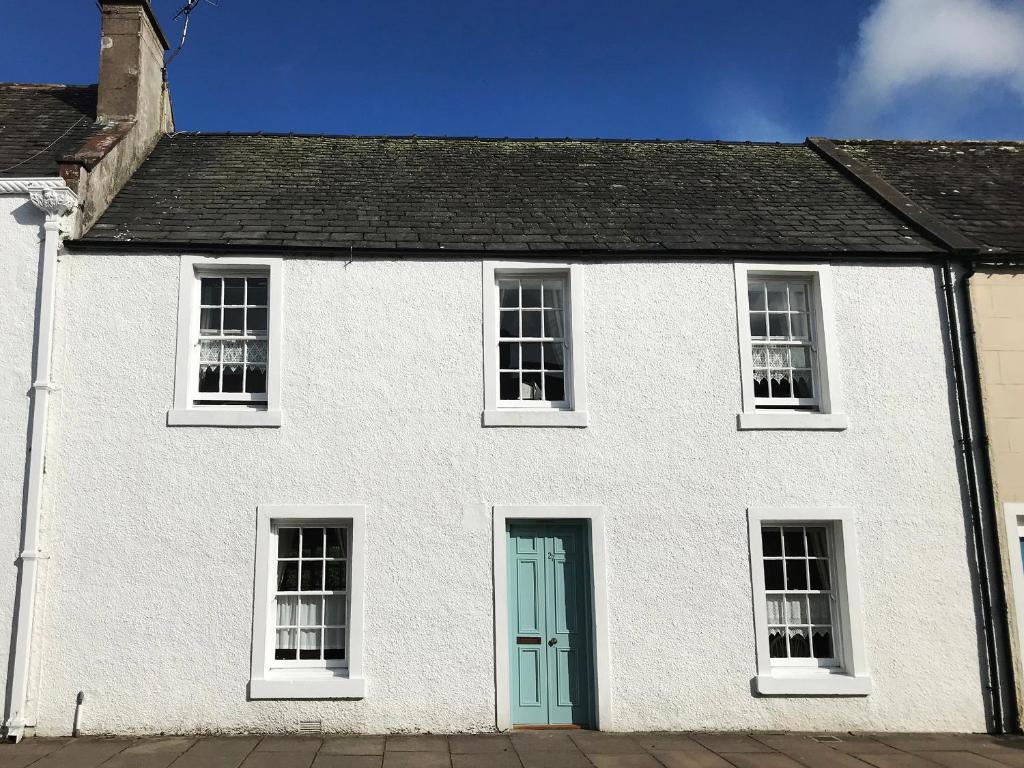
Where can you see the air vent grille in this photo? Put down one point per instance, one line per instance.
(311, 726)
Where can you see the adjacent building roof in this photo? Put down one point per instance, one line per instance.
(41, 123)
(977, 187)
(431, 194)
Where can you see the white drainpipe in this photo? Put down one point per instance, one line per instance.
(53, 198)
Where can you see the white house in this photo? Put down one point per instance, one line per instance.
(398, 434)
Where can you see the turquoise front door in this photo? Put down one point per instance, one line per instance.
(550, 647)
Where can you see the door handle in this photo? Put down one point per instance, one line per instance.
(553, 641)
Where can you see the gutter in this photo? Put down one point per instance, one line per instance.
(991, 591)
(55, 199)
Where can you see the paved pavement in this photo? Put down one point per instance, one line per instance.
(550, 749)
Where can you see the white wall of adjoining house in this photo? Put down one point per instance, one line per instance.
(149, 603)
(20, 249)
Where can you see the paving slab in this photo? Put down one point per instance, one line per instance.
(217, 752)
(541, 741)
(666, 742)
(860, 745)
(348, 761)
(416, 743)
(303, 744)
(1006, 754)
(897, 760)
(28, 751)
(809, 752)
(761, 760)
(960, 759)
(486, 760)
(151, 753)
(624, 761)
(406, 759)
(596, 743)
(352, 745)
(691, 758)
(85, 752)
(479, 743)
(729, 742)
(920, 742)
(280, 758)
(550, 758)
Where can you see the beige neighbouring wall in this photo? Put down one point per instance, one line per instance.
(997, 304)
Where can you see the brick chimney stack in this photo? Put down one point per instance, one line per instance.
(132, 45)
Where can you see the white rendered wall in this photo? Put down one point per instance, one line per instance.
(20, 249)
(149, 601)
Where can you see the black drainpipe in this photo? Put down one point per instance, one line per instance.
(967, 445)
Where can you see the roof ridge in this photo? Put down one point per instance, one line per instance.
(927, 141)
(49, 86)
(442, 137)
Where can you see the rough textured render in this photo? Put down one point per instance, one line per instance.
(20, 233)
(473, 194)
(39, 124)
(148, 606)
(974, 185)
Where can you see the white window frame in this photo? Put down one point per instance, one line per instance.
(186, 380)
(272, 679)
(829, 414)
(573, 413)
(789, 677)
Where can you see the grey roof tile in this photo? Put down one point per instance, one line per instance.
(40, 123)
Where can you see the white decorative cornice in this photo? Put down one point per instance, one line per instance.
(54, 202)
(24, 186)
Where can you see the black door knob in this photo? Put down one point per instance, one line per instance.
(553, 641)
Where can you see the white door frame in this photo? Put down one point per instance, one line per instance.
(599, 598)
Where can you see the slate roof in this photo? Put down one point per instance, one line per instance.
(415, 194)
(977, 187)
(40, 123)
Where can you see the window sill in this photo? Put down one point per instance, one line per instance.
(527, 418)
(222, 417)
(790, 420)
(297, 687)
(795, 683)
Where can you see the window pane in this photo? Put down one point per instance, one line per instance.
(209, 322)
(508, 293)
(800, 326)
(233, 319)
(255, 351)
(771, 542)
(531, 293)
(336, 543)
(256, 379)
(210, 290)
(257, 290)
(508, 354)
(755, 295)
(285, 644)
(312, 542)
(553, 297)
(554, 386)
(509, 324)
(309, 612)
(822, 642)
(758, 325)
(531, 355)
(799, 357)
(777, 644)
(778, 325)
(287, 611)
(761, 384)
(509, 386)
(287, 577)
(334, 644)
(799, 646)
(820, 575)
(312, 575)
(554, 323)
(554, 356)
(287, 542)
(531, 389)
(776, 613)
(817, 542)
(334, 611)
(798, 297)
(802, 385)
(794, 539)
(234, 290)
(781, 388)
(335, 575)
(820, 611)
(309, 643)
(773, 574)
(232, 380)
(796, 574)
(777, 296)
(796, 609)
(209, 378)
(256, 322)
(531, 323)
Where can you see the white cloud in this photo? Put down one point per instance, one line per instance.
(908, 47)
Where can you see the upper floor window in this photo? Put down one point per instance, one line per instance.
(787, 347)
(533, 332)
(228, 361)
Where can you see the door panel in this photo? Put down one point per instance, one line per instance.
(550, 645)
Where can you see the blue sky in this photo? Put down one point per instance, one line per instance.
(642, 69)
